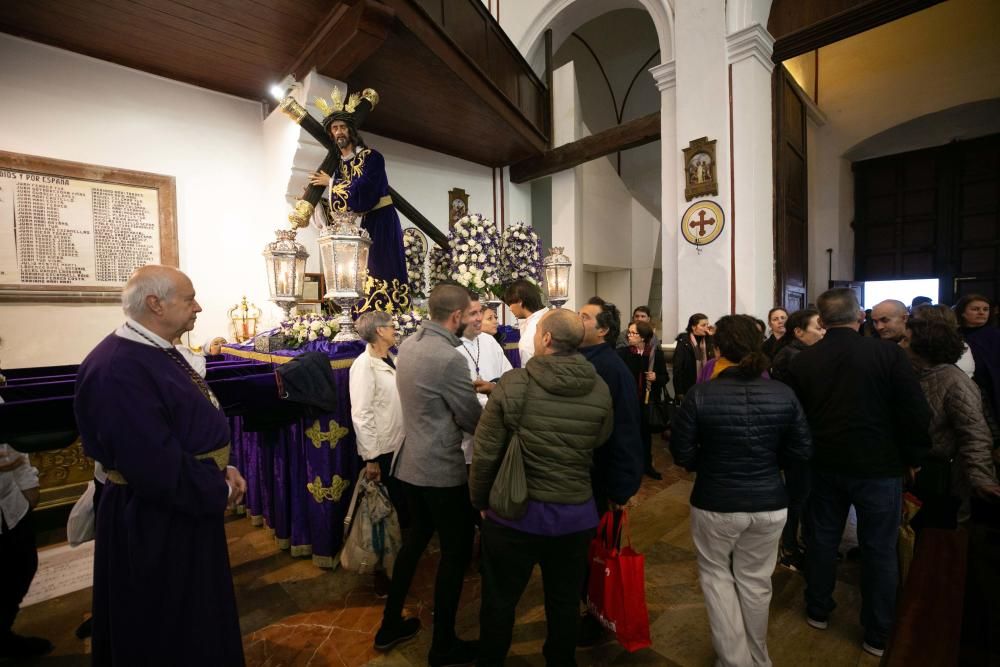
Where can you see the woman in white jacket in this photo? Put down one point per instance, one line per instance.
(376, 412)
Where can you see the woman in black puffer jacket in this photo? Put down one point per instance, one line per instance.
(736, 432)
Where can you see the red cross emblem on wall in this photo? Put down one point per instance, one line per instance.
(702, 222)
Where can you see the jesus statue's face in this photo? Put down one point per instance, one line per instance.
(341, 133)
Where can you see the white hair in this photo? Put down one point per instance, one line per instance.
(145, 283)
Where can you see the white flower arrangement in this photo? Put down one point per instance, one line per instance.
(521, 255)
(439, 261)
(415, 254)
(407, 323)
(308, 328)
(475, 254)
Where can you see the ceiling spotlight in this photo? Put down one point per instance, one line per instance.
(280, 90)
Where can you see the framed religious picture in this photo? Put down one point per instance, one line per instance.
(312, 288)
(75, 232)
(458, 206)
(700, 179)
(315, 308)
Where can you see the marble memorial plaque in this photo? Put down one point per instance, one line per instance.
(61, 570)
(76, 229)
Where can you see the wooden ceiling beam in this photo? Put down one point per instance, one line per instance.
(349, 34)
(431, 35)
(833, 28)
(622, 137)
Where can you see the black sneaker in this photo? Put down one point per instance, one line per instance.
(873, 648)
(396, 633)
(461, 653)
(18, 646)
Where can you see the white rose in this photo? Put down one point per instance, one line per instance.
(327, 331)
(312, 336)
(316, 325)
(462, 268)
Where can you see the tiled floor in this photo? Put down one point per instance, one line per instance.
(295, 614)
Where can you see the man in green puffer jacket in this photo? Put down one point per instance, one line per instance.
(561, 410)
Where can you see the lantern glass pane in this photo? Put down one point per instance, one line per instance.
(346, 254)
(269, 265)
(555, 281)
(300, 270)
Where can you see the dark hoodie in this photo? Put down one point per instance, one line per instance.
(619, 463)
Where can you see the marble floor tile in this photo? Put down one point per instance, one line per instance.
(293, 613)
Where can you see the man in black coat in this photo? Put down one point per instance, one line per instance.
(869, 421)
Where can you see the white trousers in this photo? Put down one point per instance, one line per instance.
(736, 556)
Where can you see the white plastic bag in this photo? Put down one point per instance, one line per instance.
(80, 526)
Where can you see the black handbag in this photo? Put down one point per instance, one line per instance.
(655, 409)
(657, 417)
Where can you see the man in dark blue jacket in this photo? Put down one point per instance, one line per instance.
(619, 462)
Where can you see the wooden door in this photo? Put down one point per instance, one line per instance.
(791, 264)
(976, 214)
(929, 213)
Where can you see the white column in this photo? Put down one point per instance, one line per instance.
(665, 76)
(567, 190)
(753, 188)
(702, 110)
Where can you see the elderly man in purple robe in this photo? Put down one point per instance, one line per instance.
(163, 591)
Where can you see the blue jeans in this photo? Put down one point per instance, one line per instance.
(878, 503)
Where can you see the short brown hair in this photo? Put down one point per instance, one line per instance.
(739, 341)
(445, 300)
(938, 313)
(524, 292)
(644, 330)
(565, 327)
(934, 341)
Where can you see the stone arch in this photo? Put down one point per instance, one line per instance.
(742, 14)
(564, 16)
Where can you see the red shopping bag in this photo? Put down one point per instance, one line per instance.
(616, 587)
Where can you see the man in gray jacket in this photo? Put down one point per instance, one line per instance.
(439, 403)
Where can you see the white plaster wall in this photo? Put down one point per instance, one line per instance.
(567, 186)
(71, 107)
(606, 217)
(615, 286)
(938, 58)
(702, 110)
(751, 214)
(646, 230)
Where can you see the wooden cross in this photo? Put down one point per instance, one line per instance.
(701, 222)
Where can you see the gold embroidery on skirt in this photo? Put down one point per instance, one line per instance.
(384, 296)
(333, 492)
(319, 436)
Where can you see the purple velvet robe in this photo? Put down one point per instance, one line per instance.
(163, 590)
(366, 185)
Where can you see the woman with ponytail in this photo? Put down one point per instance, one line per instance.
(736, 432)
